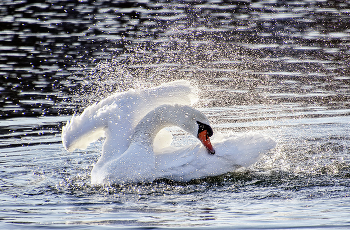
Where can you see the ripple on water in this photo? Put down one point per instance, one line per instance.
(278, 68)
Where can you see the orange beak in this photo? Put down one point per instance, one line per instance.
(204, 138)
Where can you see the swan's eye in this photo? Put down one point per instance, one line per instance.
(202, 127)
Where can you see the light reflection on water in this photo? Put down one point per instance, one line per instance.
(270, 67)
(299, 180)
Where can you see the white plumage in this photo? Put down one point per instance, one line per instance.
(130, 122)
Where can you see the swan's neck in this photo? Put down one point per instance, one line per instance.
(147, 129)
(162, 117)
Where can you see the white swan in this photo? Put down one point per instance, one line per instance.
(139, 163)
(127, 154)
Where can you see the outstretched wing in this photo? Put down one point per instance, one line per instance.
(84, 129)
(121, 112)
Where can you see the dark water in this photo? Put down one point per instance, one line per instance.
(275, 67)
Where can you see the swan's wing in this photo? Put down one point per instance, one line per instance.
(81, 130)
(177, 92)
(121, 112)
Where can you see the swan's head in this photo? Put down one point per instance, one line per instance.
(194, 122)
(204, 132)
(185, 117)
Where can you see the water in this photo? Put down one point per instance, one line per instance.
(275, 67)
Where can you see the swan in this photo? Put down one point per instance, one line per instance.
(132, 120)
(119, 114)
(139, 163)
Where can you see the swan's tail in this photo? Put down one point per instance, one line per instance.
(245, 149)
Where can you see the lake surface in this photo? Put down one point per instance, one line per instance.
(280, 68)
